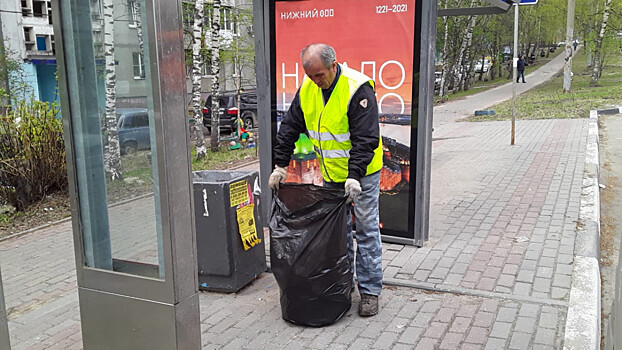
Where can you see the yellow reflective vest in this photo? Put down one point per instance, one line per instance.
(328, 126)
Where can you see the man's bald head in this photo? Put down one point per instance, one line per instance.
(318, 51)
(320, 64)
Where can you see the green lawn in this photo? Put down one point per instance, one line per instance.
(548, 101)
(138, 177)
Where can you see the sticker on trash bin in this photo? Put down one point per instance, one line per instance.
(246, 225)
(238, 193)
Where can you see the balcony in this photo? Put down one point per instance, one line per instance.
(36, 53)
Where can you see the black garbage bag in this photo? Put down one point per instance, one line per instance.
(309, 255)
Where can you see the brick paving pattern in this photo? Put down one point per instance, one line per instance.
(502, 235)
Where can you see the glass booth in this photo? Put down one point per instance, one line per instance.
(123, 92)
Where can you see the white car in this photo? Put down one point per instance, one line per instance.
(482, 67)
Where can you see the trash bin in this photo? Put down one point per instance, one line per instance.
(230, 241)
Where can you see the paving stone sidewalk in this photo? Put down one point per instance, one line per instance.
(495, 274)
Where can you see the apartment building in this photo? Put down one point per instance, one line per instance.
(28, 37)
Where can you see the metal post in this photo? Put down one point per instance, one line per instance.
(263, 37)
(515, 73)
(5, 340)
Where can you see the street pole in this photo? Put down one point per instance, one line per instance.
(569, 51)
(514, 72)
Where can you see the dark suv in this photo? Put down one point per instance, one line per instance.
(133, 128)
(229, 110)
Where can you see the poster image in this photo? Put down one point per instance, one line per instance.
(375, 37)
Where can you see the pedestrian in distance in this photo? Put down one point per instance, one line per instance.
(336, 108)
(520, 68)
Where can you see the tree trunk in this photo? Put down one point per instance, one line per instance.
(597, 70)
(467, 55)
(442, 91)
(199, 8)
(112, 155)
(569, 50)
(215, 46)
(459, 73)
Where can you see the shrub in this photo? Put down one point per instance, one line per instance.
(32, 153)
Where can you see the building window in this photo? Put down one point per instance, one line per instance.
(29, 39)
(227, 20)
(139, 68)
(39, 8)
(50, 13)
(187, 15)
(98, 43)
(133, 13)
(96, 10)
(26, 7)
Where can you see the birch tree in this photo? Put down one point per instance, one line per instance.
(461, 72)
(445, 56)
(569, 51)
(597, 69)
(197, 43)
(466, 61)
(215, 46)
(112, 155)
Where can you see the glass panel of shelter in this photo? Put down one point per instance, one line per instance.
(121, 216)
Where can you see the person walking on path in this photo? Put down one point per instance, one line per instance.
(520, 68)
(336, 107)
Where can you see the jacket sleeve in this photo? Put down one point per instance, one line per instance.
(292, 125)
(364, 130)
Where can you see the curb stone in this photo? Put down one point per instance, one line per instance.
(583, 320)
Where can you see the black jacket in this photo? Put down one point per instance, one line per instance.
(520, 65)
(364, 131)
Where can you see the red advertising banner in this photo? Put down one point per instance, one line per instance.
(375, 37)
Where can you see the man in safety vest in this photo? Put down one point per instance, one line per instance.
(336, 107)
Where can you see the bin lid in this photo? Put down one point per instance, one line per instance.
(219, 176)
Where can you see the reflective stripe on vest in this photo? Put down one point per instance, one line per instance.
(328, 126)
(327, 136)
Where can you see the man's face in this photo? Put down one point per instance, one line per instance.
(322, 77)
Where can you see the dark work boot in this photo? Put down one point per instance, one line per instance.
(368, 305)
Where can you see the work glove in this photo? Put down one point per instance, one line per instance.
(353, 189)
(277, 177)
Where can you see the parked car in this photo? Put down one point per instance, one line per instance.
(133, 129)
(437, 80)
(229, 110)
(483, 66)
